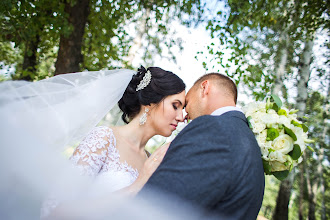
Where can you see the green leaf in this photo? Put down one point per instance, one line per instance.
(289, 132)
(296, 152)
(275, 107)
(295, 123)
(267, 167)
(248, 119)
(272, 133)
(304, 127)
(277, 100)
(281, 175)
(268, 104)
(289, 162)
(310, 148)
(292, 111)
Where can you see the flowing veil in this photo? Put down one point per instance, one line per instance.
(37, 121)
(65, 107)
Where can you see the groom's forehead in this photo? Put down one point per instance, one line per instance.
(191, 92)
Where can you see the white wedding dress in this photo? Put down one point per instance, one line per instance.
(98, 157)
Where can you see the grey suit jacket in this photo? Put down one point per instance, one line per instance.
(215, 163)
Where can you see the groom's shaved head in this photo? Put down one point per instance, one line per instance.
(223, 83)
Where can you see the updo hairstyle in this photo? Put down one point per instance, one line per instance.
(163, 83)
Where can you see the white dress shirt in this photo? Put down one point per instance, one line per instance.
(223, 110)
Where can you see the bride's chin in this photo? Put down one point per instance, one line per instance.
(167, 134)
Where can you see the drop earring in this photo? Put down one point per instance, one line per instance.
(143, 118)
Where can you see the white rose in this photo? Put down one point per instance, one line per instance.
(261, 137)
(293, 117)
(264, 148)
(250, 108)
(283, 144)
(298, 131)
(278, 156)
(258, 127)
(277, 166)
(300, 134)
(270, 118)
(256, 116)
(284, 120)
(271, 111)
(261, 106)
(257, 123)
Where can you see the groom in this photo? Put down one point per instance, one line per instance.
(215, 161)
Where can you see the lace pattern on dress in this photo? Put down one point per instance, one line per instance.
(97, 153)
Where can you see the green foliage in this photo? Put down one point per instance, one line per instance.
(104, 39)
(26, 23)
(269, 201)
(296, 152)
(317, 120)
(267, 167)
(33, 28)
(281, 175)
(256, 33)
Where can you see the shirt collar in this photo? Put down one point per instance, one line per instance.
(225, 109)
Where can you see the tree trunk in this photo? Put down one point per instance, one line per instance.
(29, 67)
(283, 199)
(280, 67)
(301, 192)
(69, 54)
(304, 74)
(302, 86)
(324, 136)
(311, 197)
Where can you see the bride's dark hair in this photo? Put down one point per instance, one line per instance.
(163, 83)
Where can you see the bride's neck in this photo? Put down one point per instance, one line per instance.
(136, 134)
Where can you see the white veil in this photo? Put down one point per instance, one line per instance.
(37, 120)
(65, 107)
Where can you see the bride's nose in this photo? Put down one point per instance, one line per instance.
(179, 116)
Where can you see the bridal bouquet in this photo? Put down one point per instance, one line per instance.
(281, 136)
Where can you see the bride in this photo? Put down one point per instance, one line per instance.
(115, 157)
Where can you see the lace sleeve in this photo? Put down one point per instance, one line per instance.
(89, 157)
(91, 153)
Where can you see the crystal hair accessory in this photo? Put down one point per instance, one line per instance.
(145, 81)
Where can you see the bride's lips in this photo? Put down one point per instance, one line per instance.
(174, 126)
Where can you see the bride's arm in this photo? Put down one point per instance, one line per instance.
(148, 169)
(74, 208)
(88, 157)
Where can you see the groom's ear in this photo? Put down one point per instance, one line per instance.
(205, 88)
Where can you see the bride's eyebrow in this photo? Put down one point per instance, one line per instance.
(177, 100)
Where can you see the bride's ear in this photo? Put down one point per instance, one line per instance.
(149, 107)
